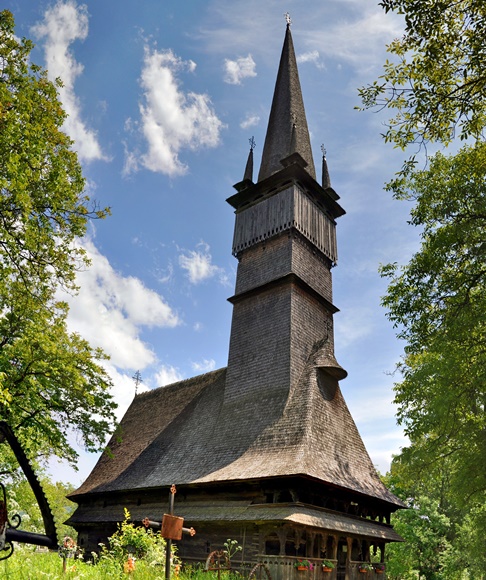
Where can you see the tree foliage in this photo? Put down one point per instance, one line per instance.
(424, 530)
(434, 86)
(435, 81)
(438, 303)
(51, 381)
(442, 538)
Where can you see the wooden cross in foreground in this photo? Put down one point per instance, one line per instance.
(172, 529)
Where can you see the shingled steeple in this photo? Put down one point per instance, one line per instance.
(285, 242)
(287, 130)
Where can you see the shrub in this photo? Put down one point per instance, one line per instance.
(135, 543)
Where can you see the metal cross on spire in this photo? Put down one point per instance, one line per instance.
(137, 377)
(323, 149)
(288, 19)
(252, 143)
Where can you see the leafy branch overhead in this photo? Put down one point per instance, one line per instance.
(435, 82)
(51, 381)
(43, 208)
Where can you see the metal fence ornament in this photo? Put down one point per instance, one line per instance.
(218, 561)
(8, 527)
(6, 545)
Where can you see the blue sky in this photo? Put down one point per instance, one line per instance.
(162, 99)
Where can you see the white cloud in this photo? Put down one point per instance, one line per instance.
(164, 275)
(378, 402)
(312, 56)
(352, 325)
(198, 266)
(171, 120)
(204, 366)
(167, 375)
(250, 121)
(131, 161)
(349, 31)
(239, 69)
(64, 23)
(110, 311)
(358, 39)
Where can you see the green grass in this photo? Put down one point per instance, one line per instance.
(26, 564)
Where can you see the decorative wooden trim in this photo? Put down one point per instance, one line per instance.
(289, 209)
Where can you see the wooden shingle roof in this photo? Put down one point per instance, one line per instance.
(184, 434)
(287, 131)
(244, 512)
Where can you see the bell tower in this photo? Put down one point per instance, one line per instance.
(285, 243)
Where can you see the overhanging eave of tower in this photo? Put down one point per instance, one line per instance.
(254, 193)
(288, 278)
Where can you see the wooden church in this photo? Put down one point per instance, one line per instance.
(264, 451)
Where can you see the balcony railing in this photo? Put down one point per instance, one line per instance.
(284, 568)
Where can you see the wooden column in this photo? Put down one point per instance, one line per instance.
(311, 537)
(349, 542)
(323, 546)
(335, 543)
(282, 537)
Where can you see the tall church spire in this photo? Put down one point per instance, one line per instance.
(287, 130)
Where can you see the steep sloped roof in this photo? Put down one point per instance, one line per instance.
(147, 429)
(287, 130)
(179, 434)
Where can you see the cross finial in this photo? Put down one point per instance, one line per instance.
(252, 143)
(323, 149)
(137, 377)
(288, 19)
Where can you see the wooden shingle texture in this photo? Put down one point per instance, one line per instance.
(179, 434)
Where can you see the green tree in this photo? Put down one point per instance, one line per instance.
(434, 85)
(469, 545)
(435, 82)
(438, 304)
(424, 530)
(432, 527)
(51, 381)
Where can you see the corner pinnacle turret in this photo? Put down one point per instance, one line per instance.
(287, 131)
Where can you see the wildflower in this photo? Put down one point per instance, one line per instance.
(129, 565)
